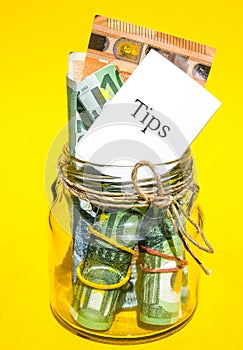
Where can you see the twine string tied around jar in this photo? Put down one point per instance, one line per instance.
(168, 198)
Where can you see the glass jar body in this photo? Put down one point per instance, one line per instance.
(140, 284)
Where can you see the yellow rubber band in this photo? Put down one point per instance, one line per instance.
(103, 286)
(111, 241)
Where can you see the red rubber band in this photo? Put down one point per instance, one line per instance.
(158, 270)
(163, 255)
(151, 251)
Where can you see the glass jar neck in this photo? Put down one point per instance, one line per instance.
(97, 183)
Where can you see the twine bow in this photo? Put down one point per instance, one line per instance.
(173, 210)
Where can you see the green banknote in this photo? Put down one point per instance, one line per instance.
(105, 264)
(161, 291)
(87, 98)
(184, 286)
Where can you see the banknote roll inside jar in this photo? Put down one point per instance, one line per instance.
(125, 257)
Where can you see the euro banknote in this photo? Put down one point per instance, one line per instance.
(126, 44)
(106, 264)
(87, 98)
(161, 291)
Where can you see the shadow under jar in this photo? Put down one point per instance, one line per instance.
(124, 254)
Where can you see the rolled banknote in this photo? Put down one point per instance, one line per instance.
(184, 286)
(105, 268)
(161, 281)
(87, 98)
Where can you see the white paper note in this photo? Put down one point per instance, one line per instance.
(166, 88)
(163, 108)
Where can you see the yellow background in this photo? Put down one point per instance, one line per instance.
(36, 37)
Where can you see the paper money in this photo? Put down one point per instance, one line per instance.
(184, 286)
(161, 291)
(76, 65)
(83, 217)
(126, 44)
(105, 264)
(87, 98)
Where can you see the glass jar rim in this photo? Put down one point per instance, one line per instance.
(65, 152)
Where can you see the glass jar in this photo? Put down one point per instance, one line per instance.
(124, 257)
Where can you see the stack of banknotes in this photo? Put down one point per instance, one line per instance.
(98, 264)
